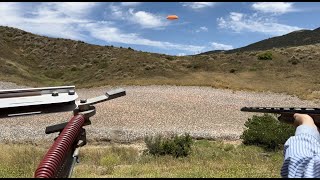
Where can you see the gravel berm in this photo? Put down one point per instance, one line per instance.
(203, 112)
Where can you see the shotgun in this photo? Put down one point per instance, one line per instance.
(286, 113)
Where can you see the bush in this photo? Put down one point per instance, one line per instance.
(149, 67)
(170, 58)
(232, 71)
(177, 146)
(265, 56)
(266, 131)
(252, 53)
(294, 60)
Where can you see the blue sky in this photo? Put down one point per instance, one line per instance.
(201, 27)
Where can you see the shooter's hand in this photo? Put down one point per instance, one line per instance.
(300, 119)
(303, 119)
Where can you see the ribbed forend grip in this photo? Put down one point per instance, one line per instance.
(51, 162)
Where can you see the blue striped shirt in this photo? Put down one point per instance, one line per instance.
(302, 154)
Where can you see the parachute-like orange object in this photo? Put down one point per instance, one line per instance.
(172, 17)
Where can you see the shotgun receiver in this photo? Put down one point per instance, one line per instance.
(286, 113)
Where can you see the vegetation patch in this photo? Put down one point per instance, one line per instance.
(265, 56)
(266, 131)
(177, 146)
(207, 159)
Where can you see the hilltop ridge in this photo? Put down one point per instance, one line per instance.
(34, 60)
(295, 38)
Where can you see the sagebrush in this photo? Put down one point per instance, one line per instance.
(265, 56)
(177, 146)
(266, 131)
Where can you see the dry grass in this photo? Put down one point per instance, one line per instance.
(208, 159)
(17, 160)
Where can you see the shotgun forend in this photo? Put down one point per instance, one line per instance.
(286, 113)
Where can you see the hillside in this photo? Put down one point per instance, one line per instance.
(296, 38)
(54, 60)
(33, 60)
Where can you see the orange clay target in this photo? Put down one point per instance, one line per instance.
(172, 17)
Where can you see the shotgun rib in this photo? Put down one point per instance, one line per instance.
(282, 110)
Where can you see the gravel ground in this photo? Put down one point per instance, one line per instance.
(203, 112)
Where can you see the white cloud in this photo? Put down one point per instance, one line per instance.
(53, 19)
(74, 9)
(50, 19)
(218, 46)
(239, 22)
(10, 13)
(117, 12)
(143, 18)
(130, 3)
(234, 16)
(104, 32)
(202, 29)
(181, 54)
(273, 7)
(146, 19)
(198, 5)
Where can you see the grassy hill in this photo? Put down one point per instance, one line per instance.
(34, 60)
(295, 38)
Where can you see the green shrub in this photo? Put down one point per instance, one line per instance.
(265, 56)
(252, 53)
(170, 58)
(177, 146)
(266, 131)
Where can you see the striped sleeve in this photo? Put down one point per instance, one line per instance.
(302, 154)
